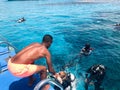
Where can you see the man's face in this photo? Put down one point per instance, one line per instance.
(49, 44)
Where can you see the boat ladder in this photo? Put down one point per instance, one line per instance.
(48, 81)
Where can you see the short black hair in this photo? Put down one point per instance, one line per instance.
(47, 38)
(87, 45)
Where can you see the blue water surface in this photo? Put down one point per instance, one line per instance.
(72, 24)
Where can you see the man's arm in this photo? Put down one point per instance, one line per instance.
(49, 63)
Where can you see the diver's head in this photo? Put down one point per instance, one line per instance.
(47, 39)
(102, 67)
(87, 46)
(62, 74)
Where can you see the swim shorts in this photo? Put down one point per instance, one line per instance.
(21, 70)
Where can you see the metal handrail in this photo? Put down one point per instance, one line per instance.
(3, 70)
(7, 49)
(2, 53)
(8, 45)
(1, 42)
(47, 81)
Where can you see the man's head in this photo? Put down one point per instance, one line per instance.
(47, 39)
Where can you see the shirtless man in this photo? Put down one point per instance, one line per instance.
(22, 64)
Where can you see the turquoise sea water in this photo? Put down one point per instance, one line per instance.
(72, 24)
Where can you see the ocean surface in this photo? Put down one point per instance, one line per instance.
(72, 24)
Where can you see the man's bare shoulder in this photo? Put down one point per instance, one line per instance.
(35, 44)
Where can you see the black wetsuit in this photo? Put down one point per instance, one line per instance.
(97, 74)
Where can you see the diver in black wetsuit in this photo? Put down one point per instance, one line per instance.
(21, 20)
(117, 26)
(96, 75)
(86, 50)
